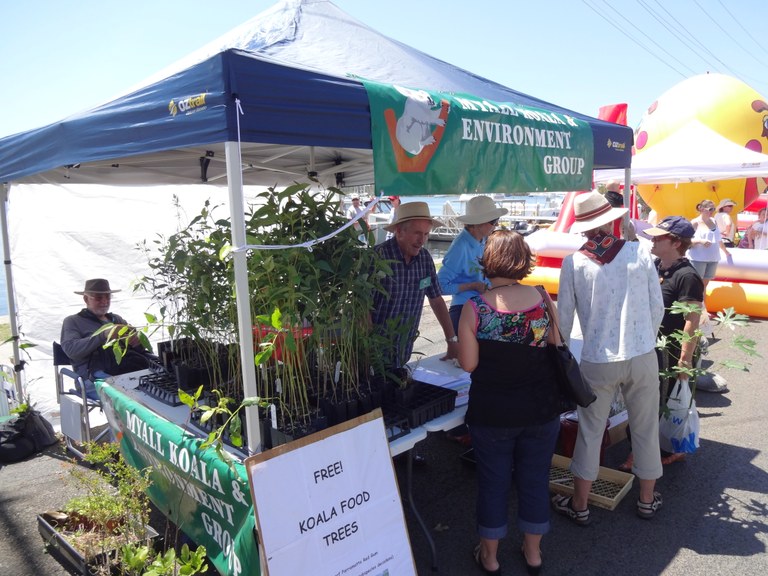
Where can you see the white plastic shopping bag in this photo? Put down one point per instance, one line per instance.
(679, 423)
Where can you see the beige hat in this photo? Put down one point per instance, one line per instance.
(592, 211)
(97, 286)
(613, 186)
(725, 202)
(481, 209)
(412, 211)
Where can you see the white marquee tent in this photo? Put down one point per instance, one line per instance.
(694, 153)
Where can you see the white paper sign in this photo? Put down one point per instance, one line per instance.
(329, 504)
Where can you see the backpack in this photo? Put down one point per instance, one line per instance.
(24, 435)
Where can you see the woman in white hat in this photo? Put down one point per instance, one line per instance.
(707, 242)
(725, 222)
(461, 275)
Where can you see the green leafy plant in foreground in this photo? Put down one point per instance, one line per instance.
(113, 515)
(224, 411)
(144, 561)
(727, 318)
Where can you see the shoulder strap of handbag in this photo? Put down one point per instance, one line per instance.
(555, 336)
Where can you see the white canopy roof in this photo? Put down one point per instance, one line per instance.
(694, 153)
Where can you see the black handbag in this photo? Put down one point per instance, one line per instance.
(572, 386)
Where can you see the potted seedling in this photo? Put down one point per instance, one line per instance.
(105, 530)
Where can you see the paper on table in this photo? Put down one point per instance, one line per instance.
(432, 370)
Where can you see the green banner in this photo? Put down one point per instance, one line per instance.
(200, 493)
(427, 143)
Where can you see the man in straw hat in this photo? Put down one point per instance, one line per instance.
(613, 287)
(413, 277)
(89, 359)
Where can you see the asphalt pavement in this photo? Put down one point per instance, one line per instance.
(714, 519)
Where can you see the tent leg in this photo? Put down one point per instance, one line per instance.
(242, 292)
(17, 366)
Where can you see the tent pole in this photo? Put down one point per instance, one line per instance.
(627, 196)
(17, 366)
(242, 292)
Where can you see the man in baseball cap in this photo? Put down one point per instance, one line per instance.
(676, 225)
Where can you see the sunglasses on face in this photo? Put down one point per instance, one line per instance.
(99, 296)
(494, 222)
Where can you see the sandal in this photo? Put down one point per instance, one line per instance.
(529, 568)
(648, 510)
(564, 505)
(672, 458)
(479, 562)
(626, 466)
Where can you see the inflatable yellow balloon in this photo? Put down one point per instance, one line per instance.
(725, 105)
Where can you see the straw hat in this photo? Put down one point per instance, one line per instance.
(725, 202)
(411, 211)
(481, 209)
(592, 211)
(96, 286)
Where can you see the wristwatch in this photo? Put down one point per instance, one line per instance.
(452, 339)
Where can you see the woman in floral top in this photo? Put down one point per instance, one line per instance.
(513, 411)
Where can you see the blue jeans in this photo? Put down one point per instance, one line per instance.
(455, 313)
(513, 455)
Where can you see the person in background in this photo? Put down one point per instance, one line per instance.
(461, 275)
(355, 209)
(707, 242)
(89, 359)
(513, 412)
(758, 232)
(625, 226)
(725, 222)
(413, 277)
(679, 283)
(613, 288)
(395, 201)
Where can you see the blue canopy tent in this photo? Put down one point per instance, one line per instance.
(272, 102)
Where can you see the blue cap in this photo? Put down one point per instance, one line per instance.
(676, 225)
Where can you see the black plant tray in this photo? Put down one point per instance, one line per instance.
(282, 435)
(426, 402)
(162, 387)
(64, 550)
(396, 426)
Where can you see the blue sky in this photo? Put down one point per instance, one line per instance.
(64, 56)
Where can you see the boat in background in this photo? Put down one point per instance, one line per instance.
(525, 214)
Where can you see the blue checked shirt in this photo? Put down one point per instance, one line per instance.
(405, 290)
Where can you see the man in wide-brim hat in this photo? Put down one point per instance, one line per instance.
(413, 277)
(613, 287)
(89, 359)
